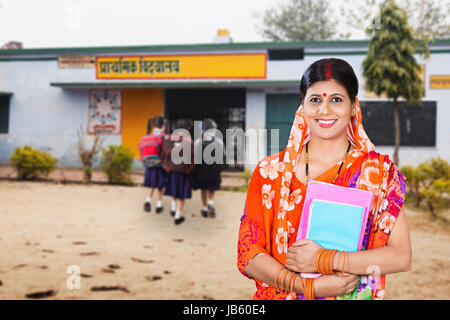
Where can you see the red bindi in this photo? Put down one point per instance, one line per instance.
(324, 94)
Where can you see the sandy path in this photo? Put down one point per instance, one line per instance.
(46, 227)
(429, 277)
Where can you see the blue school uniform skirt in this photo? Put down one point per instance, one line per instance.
(155, 177)
(205, 185)
(178, 185)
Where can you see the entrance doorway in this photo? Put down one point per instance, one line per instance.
(225, 106)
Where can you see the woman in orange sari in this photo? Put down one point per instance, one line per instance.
(327, 143)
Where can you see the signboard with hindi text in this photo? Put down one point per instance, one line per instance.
(70, 61)
(195, 66)
(440, 82)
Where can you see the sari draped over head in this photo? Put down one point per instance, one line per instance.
(275, 201)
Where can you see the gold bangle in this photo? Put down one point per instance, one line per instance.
(289, 282)
(343, 264)
(310, 289)
(317, 259)
(276, 278)
(293, 282)
(284, 278)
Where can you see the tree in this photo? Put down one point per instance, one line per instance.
(87, 155)
(297, 20)
(429, 19)
(390, 67)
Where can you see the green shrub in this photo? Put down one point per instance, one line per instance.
(435, 197)
(32, 163)
(117, 162)
(247, 175)
(414, 178)
(429, 182)
(234, 188)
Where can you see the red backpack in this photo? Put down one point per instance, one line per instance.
(150, 149)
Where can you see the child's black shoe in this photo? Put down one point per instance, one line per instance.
(159, 209)
(179, 220)
(204, 213)
(147, 206)
(211, 211)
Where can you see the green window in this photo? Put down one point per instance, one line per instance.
(4, 113)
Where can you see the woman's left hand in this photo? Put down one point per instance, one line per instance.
(301, 256)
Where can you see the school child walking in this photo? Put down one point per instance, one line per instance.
(150, 148)
(179, 167)
(207, 175)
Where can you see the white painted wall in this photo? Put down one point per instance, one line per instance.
(44, 117)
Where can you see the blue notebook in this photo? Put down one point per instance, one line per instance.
(335, 225)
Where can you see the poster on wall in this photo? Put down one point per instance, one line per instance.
(71, 61)
(105, 111)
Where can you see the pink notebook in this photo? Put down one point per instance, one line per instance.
(323, 221)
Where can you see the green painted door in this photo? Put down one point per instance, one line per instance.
(280, 112)
(4, 113)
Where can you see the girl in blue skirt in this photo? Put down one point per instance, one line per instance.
(207, 175)
(150, 148)
(178, 161)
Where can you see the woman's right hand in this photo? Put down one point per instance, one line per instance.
(332, 285)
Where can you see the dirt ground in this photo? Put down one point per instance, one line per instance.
(46, 227)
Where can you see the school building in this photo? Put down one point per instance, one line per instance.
(46, 95)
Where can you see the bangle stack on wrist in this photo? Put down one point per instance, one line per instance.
(309, 294)
(324, 261)
(290, 283)
(324, 265)
(308, 288)
(307, 284)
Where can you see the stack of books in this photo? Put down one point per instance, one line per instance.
(335, 217)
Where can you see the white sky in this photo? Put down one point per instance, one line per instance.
(70, 23)
(62, 23)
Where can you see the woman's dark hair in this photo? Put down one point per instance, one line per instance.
(326, 69)
(156, 122)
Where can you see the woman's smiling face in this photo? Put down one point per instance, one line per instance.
(327, 109)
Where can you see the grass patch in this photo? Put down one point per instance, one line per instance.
(234, 188)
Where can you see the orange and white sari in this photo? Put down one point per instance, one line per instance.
(275, 200)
